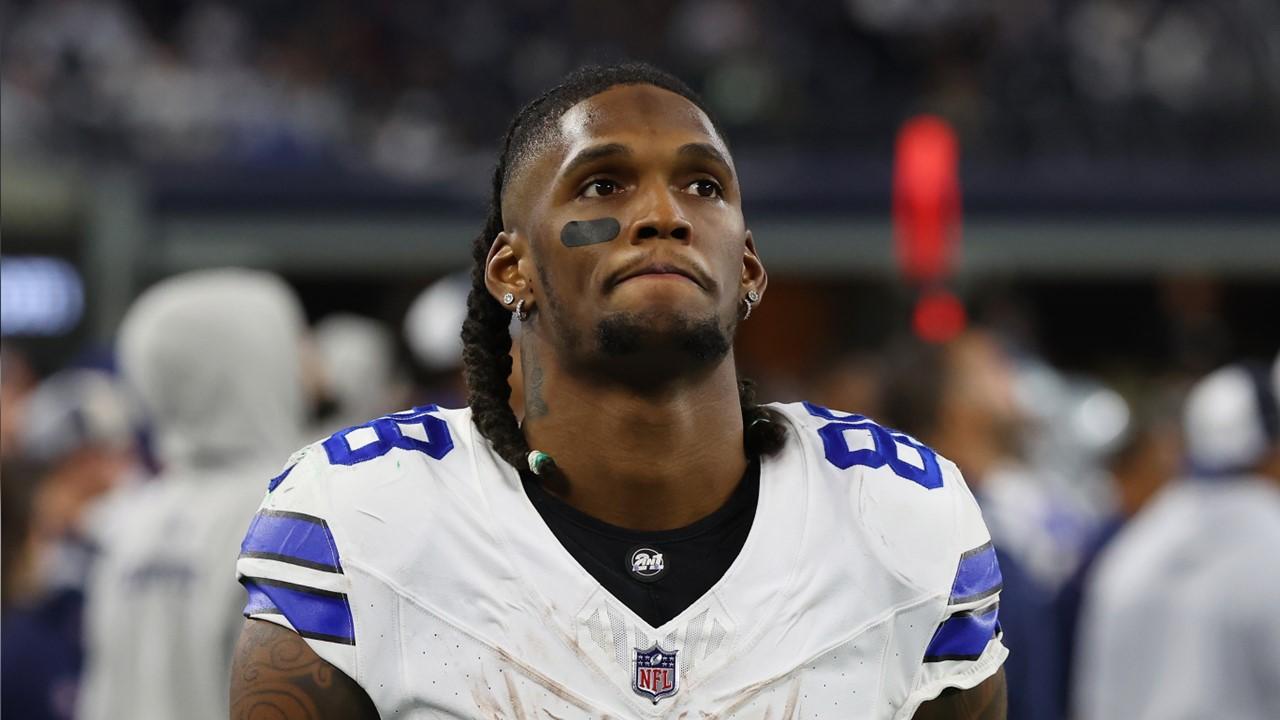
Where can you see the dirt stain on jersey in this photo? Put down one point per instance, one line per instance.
(514, 696)
(489, 704)
(790, 711)
(793, 701)
(486, 704)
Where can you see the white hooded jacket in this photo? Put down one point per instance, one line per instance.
(215, 359)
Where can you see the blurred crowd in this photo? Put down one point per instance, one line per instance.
(414, 89)
(1133, 529)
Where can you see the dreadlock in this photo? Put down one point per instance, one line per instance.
(486, 334)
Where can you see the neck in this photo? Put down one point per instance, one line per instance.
(655, 458)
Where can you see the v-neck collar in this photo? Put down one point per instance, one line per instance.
(761, 574)
(746, 491)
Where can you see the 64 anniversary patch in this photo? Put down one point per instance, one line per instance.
(656, 674)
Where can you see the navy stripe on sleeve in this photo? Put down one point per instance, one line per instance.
(293, 538)
(965, 635)
(316, 614)
(274, 482)
(977, 576)
(259, 603)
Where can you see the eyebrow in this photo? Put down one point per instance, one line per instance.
(691, 151)
(595, 153)
(705, 152)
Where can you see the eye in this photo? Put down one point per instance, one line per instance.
(600, 188)
(704, 187)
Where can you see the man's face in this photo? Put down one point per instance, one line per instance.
(980, 387)
(631, 220)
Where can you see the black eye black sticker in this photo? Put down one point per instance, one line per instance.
(577, 233)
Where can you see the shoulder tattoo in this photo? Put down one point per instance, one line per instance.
(275, 675)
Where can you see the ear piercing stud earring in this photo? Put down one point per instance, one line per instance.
(750, 300)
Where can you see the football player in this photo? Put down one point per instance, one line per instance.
(1178, 618)
(215, 357)
(648, 542)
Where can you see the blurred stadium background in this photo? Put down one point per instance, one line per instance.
(1119, 165)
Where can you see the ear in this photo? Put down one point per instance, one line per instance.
(502, 268)
(754, 276)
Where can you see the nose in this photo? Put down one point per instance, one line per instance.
(661, 218)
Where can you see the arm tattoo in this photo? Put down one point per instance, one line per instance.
(987, 701)
(276, 676)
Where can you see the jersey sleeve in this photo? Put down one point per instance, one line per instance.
(291, 566)
(967, 646)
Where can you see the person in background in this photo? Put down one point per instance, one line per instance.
(215, 357)
(1179, 619)
(1146, 459)
(83, 425)
(41, 655)
(852, 381)
(358, 358)
(958, 398)
(76, 443)
(16, 383)
(432, 333)
(18, 479)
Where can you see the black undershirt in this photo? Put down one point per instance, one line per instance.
(694, 557)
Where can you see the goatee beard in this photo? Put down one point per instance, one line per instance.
(701, 340)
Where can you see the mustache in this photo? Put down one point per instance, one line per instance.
(645, 266)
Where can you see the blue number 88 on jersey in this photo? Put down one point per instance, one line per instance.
(879, 447)
(415, 430)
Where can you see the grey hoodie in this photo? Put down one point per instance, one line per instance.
(215, 357)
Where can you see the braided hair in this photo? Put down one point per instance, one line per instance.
(486, 334)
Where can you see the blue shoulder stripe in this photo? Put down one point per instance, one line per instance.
(977, 576)
(293, 538)
(274, 482)
(965, 635)
(315, 614)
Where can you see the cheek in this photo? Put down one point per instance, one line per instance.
(732, 260)
(726, 233)
(568, 274)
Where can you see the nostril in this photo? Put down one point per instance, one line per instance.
(680, 233)
(646, 232)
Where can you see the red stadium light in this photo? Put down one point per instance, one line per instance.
(926, 198)
(939, 317)
(926, 221)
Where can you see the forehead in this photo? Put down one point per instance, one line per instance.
(635, 114)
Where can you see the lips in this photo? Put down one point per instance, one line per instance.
(657, 269)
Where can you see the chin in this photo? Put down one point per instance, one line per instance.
(664, 332)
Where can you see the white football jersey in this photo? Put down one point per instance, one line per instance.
(408, 555)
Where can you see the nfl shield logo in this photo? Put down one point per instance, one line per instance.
(657, 674)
